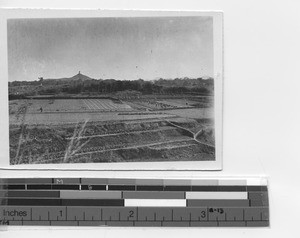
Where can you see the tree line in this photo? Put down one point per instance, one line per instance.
(108, 86)
(144, 87)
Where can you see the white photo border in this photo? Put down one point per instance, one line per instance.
(127, 166)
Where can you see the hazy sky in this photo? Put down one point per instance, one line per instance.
(120, 48)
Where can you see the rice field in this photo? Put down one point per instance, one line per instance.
(75, 117)
(68, 105)
(105, 105)
(176, 103)
(59, 111)
(153, 104)
(186, 103)
(194, 113)
(171, 103)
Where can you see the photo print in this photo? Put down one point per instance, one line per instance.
(114, 89)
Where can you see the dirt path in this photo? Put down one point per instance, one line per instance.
(122, 133)
(136, 146)
(194, 135)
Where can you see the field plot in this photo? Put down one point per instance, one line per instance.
(68, 105)
(196, 113)
(105, 105)
(176, 103)
(198, 102)
(171, 103)
(48, 119)
(152, 104)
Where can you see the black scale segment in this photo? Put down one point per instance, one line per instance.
(31, 194)
(13, 187)
(65, 187)
(93, 202)
(32, 202)
(220, 188)
(232, 188)
(177, 188)
(39, 187)
(257, 188)
(122, 187)
(149, 188)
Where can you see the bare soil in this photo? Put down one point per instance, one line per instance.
(109, 142)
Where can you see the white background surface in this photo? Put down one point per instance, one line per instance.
(261, 109)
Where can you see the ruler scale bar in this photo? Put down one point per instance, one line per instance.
(136, 188)
(129, 213)
(133, 194)
(91, 194)
(216, 195)
(134, 202)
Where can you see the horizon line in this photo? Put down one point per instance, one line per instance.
(204, 77)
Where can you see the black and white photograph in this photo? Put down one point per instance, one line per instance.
(149, 118)
(113, 89)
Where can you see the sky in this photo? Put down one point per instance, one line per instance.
(119, 48)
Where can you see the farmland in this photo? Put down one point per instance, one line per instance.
(69, 105)
(144, 140)
(95, 130)
(83, 120)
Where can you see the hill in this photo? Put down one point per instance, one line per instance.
(77, 77)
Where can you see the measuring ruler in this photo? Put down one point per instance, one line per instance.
(134, 202)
